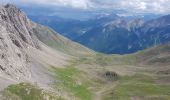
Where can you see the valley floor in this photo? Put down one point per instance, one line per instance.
(100, 77)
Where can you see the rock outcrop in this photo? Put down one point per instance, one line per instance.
(16, 36)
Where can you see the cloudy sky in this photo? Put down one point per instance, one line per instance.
(128, 6)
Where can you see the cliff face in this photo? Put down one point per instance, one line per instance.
(15, 37)
(17, 23)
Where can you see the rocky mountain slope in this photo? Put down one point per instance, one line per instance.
(23, 48)
(16, 38)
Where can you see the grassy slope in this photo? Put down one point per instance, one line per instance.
(58, 42)
(26, 91)
(70, 80)
(139, 86)
(155, 55)
(144, 86)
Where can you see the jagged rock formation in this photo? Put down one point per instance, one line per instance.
(16, 36)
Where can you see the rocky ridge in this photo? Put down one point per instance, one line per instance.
(15, 37)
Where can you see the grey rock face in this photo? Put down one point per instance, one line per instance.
(15, 37)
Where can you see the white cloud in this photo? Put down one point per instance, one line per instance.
(146, 6)
(132, 6)
(81, 4)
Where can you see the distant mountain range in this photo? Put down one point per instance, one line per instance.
(112, 34)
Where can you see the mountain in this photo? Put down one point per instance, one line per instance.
(156, 31)
(27, 50)
(71, 28)
(103, 32)
(19, 35)
(134, 35)
(37, 63)
(106, 38)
